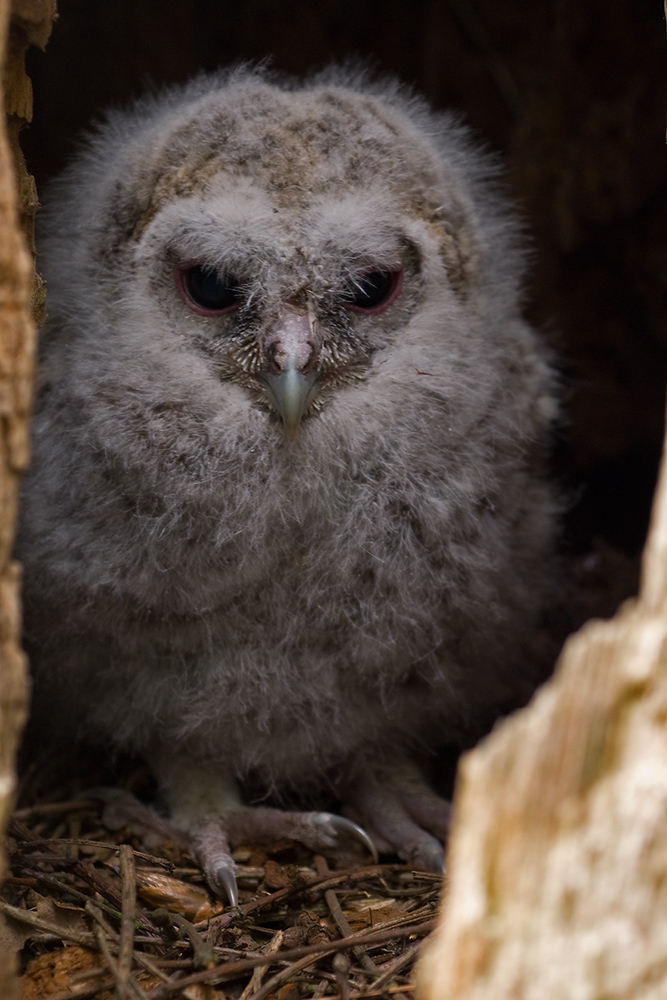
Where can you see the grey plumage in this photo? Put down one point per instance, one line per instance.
(287, 516)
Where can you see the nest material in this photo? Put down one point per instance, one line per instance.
(95, 916)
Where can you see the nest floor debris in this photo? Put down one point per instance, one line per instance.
(96, 916)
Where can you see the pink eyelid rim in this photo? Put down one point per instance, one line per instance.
(180, 269)
(179, 272)
(397, 284)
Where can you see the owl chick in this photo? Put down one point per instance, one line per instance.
(287, 522)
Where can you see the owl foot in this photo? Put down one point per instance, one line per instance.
(122, 808)
(211, 837)
(402, 814)
(319, 831)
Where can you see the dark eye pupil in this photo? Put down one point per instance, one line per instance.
(370, 290)
(214, 290)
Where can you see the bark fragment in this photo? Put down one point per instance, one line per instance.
(558, 856)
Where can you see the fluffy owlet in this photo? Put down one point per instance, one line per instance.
(287, 524)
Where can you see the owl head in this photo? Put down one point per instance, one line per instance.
(279, 236)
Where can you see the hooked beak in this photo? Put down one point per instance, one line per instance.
(290, 379)
(291, 392)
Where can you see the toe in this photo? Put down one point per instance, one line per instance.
(391, 825)
(122, 808)
(335, 826)
(428, 810)
(211, 848)
(319, 831)
(401, 813)
(428, 856)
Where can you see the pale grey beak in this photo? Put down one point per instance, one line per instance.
(291, 392)
(290, 378)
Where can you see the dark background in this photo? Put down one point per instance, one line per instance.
(572, 92)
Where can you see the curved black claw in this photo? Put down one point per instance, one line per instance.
(221, 877)
(341, 824)
(227, 879)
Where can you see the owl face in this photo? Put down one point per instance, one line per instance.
(249, 256)
(286, 238)
(293, 307)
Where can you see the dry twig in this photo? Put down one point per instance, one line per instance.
(340, 921)
(129, 897)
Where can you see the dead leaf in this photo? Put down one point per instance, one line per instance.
(67, 918)
(176, 896)
(13, 934)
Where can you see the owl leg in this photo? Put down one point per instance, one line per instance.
(401, 813)
(207, 842)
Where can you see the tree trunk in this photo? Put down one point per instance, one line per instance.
(23, 23)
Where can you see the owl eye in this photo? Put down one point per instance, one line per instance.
(373, 291)
(208, 291)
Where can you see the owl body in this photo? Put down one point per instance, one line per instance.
(287, 511)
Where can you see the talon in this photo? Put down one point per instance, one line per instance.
(430, 858)
(341, 824)
(223, 877)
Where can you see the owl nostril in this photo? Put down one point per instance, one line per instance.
(281, 359)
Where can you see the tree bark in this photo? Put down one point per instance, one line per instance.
(23, 23)
(558, 854)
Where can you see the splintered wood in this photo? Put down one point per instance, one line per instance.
(558, 856)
